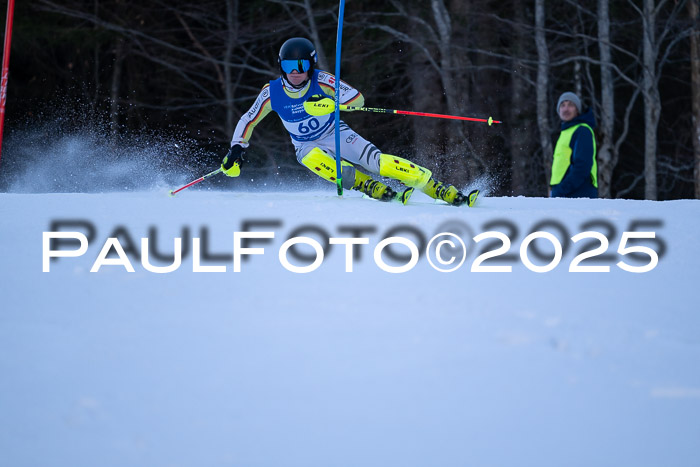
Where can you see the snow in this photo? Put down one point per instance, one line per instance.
(266, 367)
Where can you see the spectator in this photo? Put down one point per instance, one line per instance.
(574, 167)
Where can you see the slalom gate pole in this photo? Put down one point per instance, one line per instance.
(338, 44)
(6, 66)
(489, 120)
(194, 182)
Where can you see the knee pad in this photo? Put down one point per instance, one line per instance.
(405, 171)
(323, 165)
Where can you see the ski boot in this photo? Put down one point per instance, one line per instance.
(372, 188)
(469, 199)
(449, 193)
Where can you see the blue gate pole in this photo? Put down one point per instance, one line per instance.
(338, 43)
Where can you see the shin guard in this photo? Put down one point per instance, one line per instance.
(403, 170)
(323, 165)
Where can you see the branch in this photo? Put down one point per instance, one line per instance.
(626, 120)
(134, 33)
(636, 179)
(408, 39)
(198, 45)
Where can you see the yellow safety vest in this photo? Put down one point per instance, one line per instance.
(562, 156)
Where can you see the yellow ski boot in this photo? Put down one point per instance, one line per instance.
(372, 188)
(449, 193)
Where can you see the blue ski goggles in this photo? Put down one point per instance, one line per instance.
(301, 65)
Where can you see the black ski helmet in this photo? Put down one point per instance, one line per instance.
(297, 48)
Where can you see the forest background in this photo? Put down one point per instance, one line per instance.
(192, 68)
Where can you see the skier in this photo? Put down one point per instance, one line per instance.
(303, 97)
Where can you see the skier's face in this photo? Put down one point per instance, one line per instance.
(297, 78)
(567, 111)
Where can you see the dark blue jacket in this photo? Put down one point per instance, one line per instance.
(577, 181)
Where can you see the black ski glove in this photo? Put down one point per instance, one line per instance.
(231, 165)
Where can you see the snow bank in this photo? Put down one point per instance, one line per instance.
(269, 367)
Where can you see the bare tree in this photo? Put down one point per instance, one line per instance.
(119, 55)
(694, 13)
(519, 112)
(656, 49)
(607, 156)
(652, 99)
(543, 67)
(661, 33)
(228, 82)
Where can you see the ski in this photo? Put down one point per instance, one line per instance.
(403, 196)
(471, 198)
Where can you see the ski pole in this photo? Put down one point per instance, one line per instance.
(489, 120)
(200, 179)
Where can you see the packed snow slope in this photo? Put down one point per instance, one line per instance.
(270, 367)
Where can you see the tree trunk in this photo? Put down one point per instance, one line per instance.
(427, 132)
(606, 157)
(444, 29)
(119, 55)
(652, 100)
(542, 85)
(578, 67)
(229, 91)
(456, 139)
(519, 112)
(96, 62)
(316, 37)
(694, 11)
